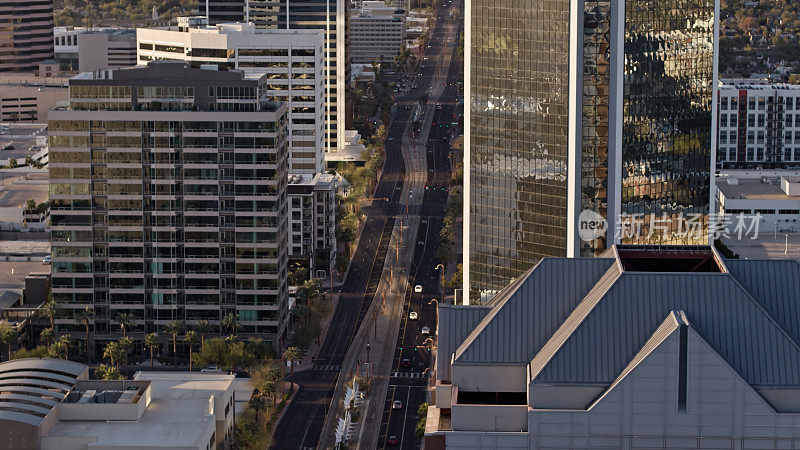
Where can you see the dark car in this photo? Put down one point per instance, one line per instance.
(8, 147)
(392, 440)
(240, 373)
(405, 362)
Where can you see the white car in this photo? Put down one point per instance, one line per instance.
(426, 330)
(47, 259)
(413, 315)
(211, 369)
(418, 288)
(397, 404)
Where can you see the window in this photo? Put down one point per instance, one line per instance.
(734, 122)
(789, 103)
(734, 103)
(723, 120)
(751, 103)
(789, 211)
(761, 103)
(761, 120)
(751, 120)
(797, 137)
(787, 154)
(750, 153)
(732, 135)
(788, 120)
(723, 137)
(760, 139)
(751, 137)
(723, 103)
(760, 154)
(797, 154)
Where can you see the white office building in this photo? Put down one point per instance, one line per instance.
(377, 32)
(770, 197)
(292, 61)
(82, 49)
(758, 124)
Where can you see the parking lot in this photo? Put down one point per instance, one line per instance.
(21, 137)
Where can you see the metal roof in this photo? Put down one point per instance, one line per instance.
(595, 347)
(32, 387)
(776, 285)
(455, 323)
(525, 315)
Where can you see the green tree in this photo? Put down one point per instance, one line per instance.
(47, 336)
(258, 404)
(174, 328)
(203, 328)
(422, 414)
(113, 352)
(268, 389)
(30, 205)
(61, 347)
(190, 337)
(126, 321)
(151, 342)
(293, 355)
(29, 163)
(231, 323)
(84, 317)
(126, 344)
(12, 163)
(48, 311)
(8, 336)
(105, 372)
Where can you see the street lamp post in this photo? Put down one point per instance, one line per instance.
(437, 314)
(331, 274)
(442, 268)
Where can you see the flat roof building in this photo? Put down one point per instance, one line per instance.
(82, 49)
(312, 222)
(377, 33)
(168, 200)
(51, 403)
(643, 346)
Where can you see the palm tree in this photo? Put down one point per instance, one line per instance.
(113, 352)
(126, 321)
(174, 328)
(268, 388)
(151, 341)
(190, 337)
(64, 341)
(47, 336)
(125, 345)
(30, 205)
(258, 404)
(48, 310)
(84, 317)
(231, 323)
(292, 354)
(8, 335)
(202, 327)
(274, 374)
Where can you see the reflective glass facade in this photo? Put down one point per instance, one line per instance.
(667, 100)
(595, 115)
(519, 81)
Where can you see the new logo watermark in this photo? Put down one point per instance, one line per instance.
(663, 227)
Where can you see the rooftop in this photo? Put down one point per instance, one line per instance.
(756, 189)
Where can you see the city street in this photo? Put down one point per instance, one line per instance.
(303, 422)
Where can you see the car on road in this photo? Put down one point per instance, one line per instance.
(405, 362)
(240, 373)
(438, 106)
(211, 369)
(414, 86)
(426, 330)
(8, 147)
(392, 440)
(390, 138)
(47, 259)
(418, 288)
(397, 404)
(413, 315)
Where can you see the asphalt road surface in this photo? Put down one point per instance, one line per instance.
(303, 421)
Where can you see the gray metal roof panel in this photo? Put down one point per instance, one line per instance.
(774, 283)
(618, 326)
(522, 320)
(455, 323)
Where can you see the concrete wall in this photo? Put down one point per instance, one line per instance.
(18, 435)
(562, 397)
(489, 417)
(490, 378)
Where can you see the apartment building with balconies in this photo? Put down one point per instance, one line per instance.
(291, 60)
(168, 200)
(312, 222)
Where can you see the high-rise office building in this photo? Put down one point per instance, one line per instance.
(377, 32)
(587, 123)
(26, 34)
(327, 15)
(168, 200)
(292, 61)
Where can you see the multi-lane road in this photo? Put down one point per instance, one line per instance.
(303, 421)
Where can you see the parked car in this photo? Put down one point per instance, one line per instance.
(47, 259)
(397, 404)
(8, 147)
(426, 330)
(240, 373)
(211, 369)
(413, 315)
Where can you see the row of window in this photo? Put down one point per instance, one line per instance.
(729, 154)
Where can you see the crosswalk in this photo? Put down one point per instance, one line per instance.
(327, 367)
(408, 375)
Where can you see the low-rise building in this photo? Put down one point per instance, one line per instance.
(52, 404)
(770, 198)
(641, 347)
(377, 32)
(25, 97)
(86, 49)
(312, 222)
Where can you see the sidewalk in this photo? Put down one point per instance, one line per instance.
(311, 353)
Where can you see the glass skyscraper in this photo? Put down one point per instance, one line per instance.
(584, 112)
